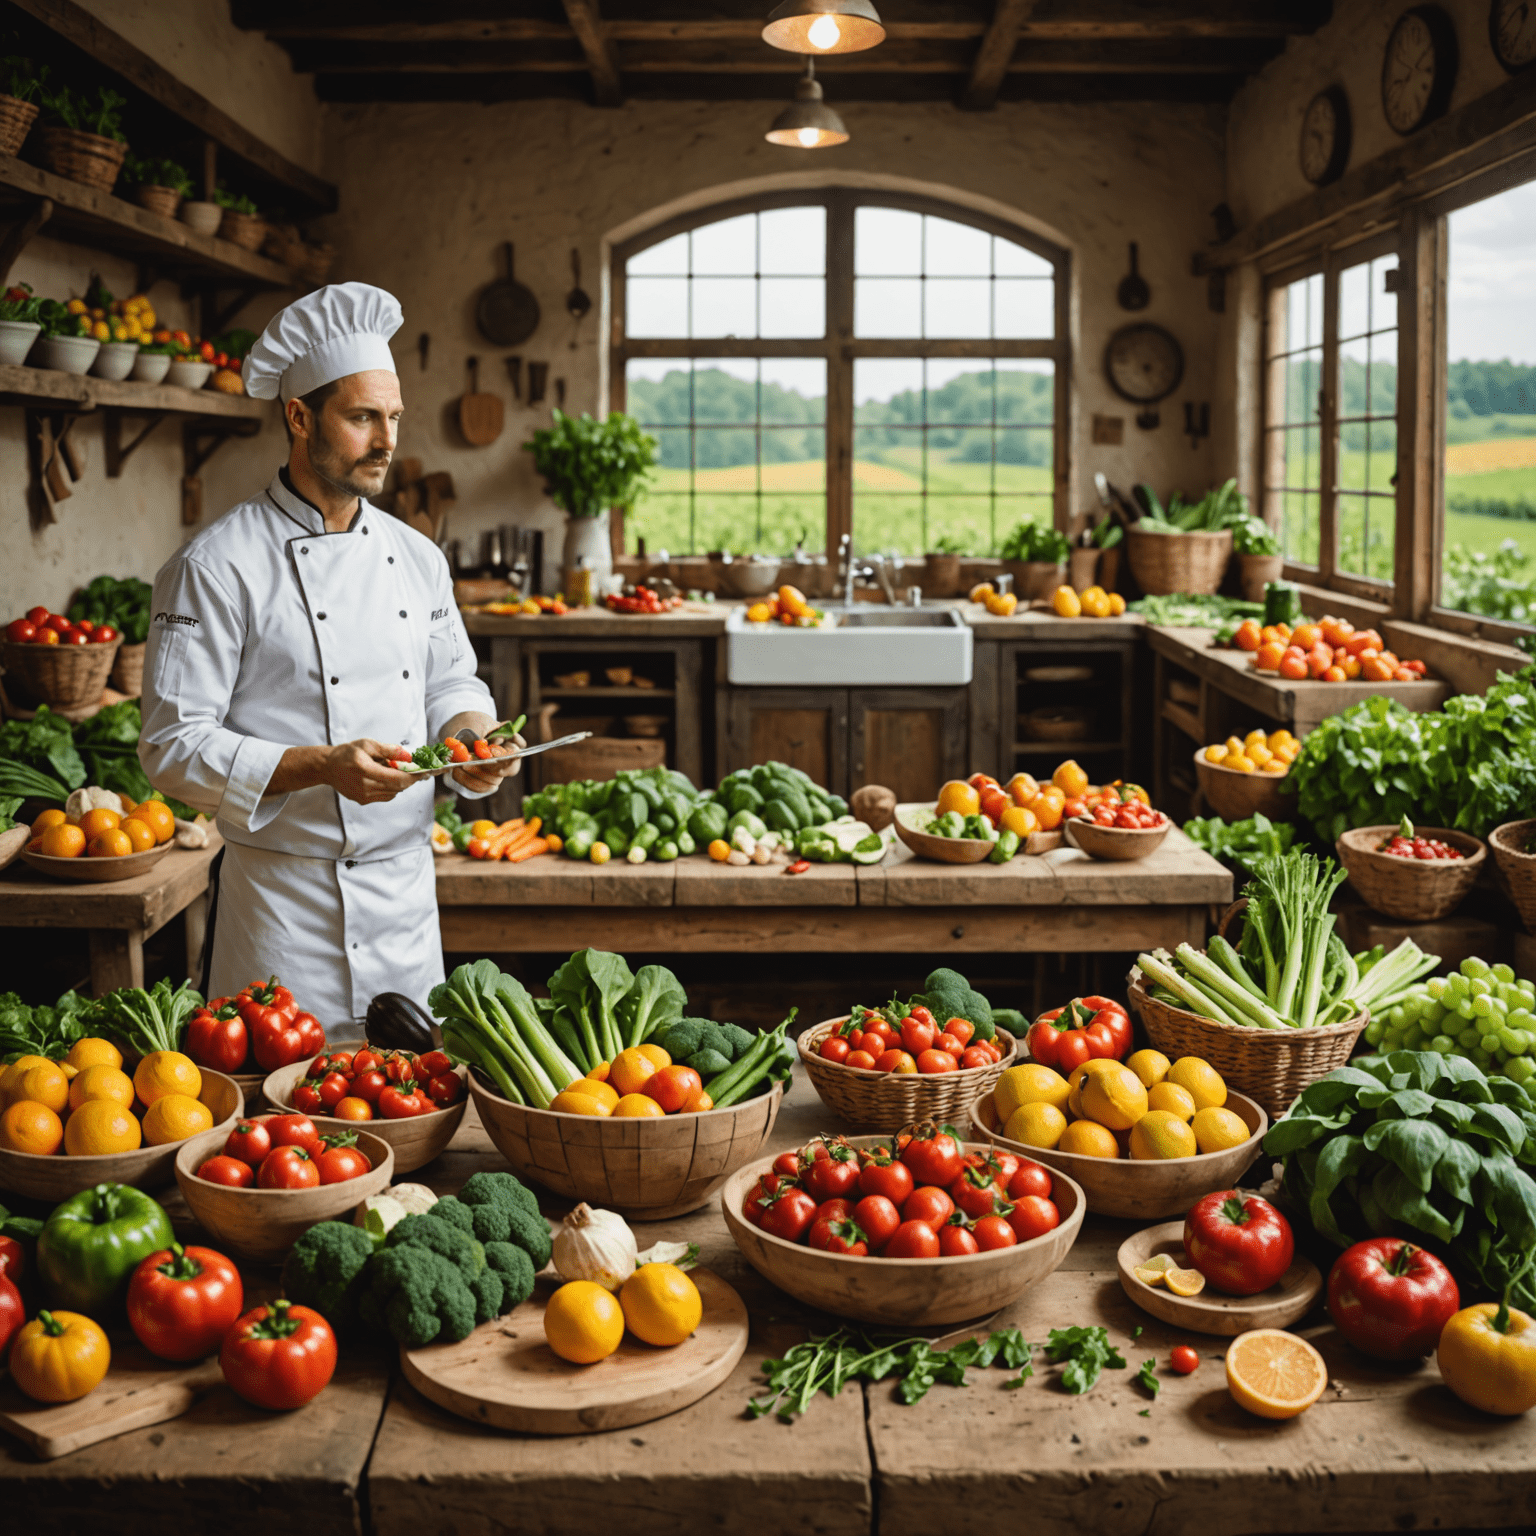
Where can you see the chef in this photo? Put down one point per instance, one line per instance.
(298, 646)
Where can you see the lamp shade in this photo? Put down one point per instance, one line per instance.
(808, 123)
(824, 26)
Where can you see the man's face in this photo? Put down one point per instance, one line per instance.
(352, 438)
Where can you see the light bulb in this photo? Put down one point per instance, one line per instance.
(824, 33)
(808, 137)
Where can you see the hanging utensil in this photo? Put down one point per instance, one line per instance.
(423, 346)
(577, 304)
(515, 374)
(480, 416)
(506, 313)
(538, 377)
(1133, 292)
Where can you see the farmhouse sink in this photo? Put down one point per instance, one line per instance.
(872, 647)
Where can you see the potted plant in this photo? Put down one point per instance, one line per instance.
(19, 323)
(66, 342)
(1036, 557)
(85, 141)
(1258, 556)
(943, 574)
(241, 225)
(589, 466)
(23, 83)
(158, 184)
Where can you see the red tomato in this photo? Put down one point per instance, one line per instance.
(888, 1178)
(835, 1048)
(228, 1171)
(433, 1064)
(1054, 1040)
(975, 1056)
(879, 1218)
(20, 631)
(38, 615)
(1240, 1243)
(961, 1029)
(921, 1014)
(975, 1193)
(293, 1131)
(860, 1059)
(671, 1087)
(1031, 1179)
(882, 1030)
(73, 636)
(306, 1098)
(955, 1242)
(831, 1178)
(404, 1101)
(933, 1156)
(1033, 1217)
(917, 1035)
(182, 1301)
(932, 1062)
(279, 1356)
(218, 1039)
(13, 1314)
(250, 1141)
(787, 1165)
(947, 1042)
(352, 1108)
(834, 1210)
(1003, 1165)
(333, 1089)
(1391, 1299)
(761, 1196)
(1184, 1360)
(337, 1163)
(400, 1067)
(839, 1235)
(789, 1215)
(288, 1167)
(13, 1259)
(445, 1089)
(275, 1042)
(895, 1060)
(45, 636)
(367, 1060)
(913, 1240)
(104, 633)
(994, 1232)
(309, 1029)
(368, 1085)
(928, 1203)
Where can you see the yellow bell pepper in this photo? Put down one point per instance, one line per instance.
(59, 1356)
(1487, 1357)
(1001, 604)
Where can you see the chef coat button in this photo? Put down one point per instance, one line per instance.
(365, 527)
(391, 559)
(350, 864)
(402, 613)
(319, 615)
(304, 549)
(334, 681)
(405, 674)
(354, 946)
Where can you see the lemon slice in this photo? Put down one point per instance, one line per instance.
(1185, 1282)
(1274, 1374)
(1162, 1262)
(1149, 1276)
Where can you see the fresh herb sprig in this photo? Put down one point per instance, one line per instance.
(1086, 1351)
(1147, 1377)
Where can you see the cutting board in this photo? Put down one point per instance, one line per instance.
(504, 1374)
(480, 416)
(137, 1391)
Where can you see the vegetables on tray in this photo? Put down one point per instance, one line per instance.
(1391, 1298)
(59, 1357)
(1194, 610)
(182, 1301)
(1487, 1357)
(91, 1244)
(1240, 1243)
(1255, 753)
(788, 606)
(1331, 650)
(595, 1245)
(279, 1356)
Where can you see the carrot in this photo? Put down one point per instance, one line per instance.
(504, 842)
(509, 826)
(529, 850)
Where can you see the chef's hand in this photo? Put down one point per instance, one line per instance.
(486, 774)
(360, 771)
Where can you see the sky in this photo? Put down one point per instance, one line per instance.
(1493, 279)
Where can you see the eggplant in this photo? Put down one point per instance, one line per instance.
(402, 1024)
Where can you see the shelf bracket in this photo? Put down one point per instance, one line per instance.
(118, 452)
(14, 241)
(200, 440)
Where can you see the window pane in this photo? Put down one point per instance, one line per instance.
(794, 459)
(1026, 392)
(957, 307)
(1355, 301)
(1010, 260)
(724, 306)
(955, 250)
(794, 306)
(1024, 309)
(1024, 460)
(725, 522)
(656, 306)
(793, 241)
(668, 259)
(958, 389)
(888, 523)
(725, 389)
(664, 520)
(728, 248)
(887, 389)
(887, 306)
(1384, 373)
(786, 520)
(1302, 377)
(967, 518)
(794, 389)
(656, 391)
(1365, 535)
(887, 242)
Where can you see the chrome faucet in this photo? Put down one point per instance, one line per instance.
(875, 571)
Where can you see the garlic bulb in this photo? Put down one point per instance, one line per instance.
(595, 1245)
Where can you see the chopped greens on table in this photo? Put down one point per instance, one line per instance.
(1241, 843)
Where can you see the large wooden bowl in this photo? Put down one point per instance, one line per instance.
(97, 870)
(415, 1141)
(261, 1225)
(646, 1170)
(1236, 796)
(905, 1293)
(946, 850)
(1411, 890)
(1142, 1190)
(59, 1176)
(1117, 844)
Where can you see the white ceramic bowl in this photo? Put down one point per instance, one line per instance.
(151, 367)
(115, 360)
(67, 354)
(187, 375)
(201, 218)
(16, 338)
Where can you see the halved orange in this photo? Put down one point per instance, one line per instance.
(1274, 1374)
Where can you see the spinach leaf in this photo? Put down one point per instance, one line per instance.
(1087, 1351)
(1147, 1377)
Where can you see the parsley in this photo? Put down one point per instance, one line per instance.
(1087, 1351)
(432, 755)
(1137, 1332)
(1147, 1377)
(1146, 1413)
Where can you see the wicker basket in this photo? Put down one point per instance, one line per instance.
(284, 243)
(1269, 1065)
(60, 674)
(1517, 867)
(16, 117)
(1411, 890)
(128, 670)
(162, 200)
(1236, 796)
(247, 230)
(88, 158)
(1178, 562)
(883, 1101)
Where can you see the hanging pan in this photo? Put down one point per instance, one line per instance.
(506, 313)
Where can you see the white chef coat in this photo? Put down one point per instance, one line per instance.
(268, 632)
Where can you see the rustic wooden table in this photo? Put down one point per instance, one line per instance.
(117, 915)
(1384, 1449)
(1062, 901)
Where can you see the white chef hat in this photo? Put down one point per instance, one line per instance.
(326, 335)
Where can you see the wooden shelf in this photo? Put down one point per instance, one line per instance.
(1184, 718)
(605, 693)
(1038, 748)
(46, 388)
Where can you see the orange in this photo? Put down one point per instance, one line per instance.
(583, 1322)
(599, 1073)
(630, 1070)
(99, 1126)
(1066, 602)
(1018, 819)
(53, 817)
(1161, 1134)
(92, 1051)
(959, 796)
(593, 1089)
(63, 841)
(1274, 1374)
(111, 844)
(101, 1082)
(661, 1305)
(654, 1053)
(1070, 779)
(94, 823)
(43, 1083)
(156, 815)
(571, 1101)
(1088, 1139)
(1022, 788)
(174, 1117)
(139, 833)
(11, 1076)
(163, 1072)
(1049, 806)
(638, 1106)
(29, 1127)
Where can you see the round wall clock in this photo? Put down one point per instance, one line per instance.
(1512, 31)
(1143, 363)
(1419, 69)
(1325, 136)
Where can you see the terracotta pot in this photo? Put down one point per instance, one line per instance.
(1035, 578)
(942, 578)
(1255, 570)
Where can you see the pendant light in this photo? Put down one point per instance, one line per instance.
(824, 26)
(809, 123)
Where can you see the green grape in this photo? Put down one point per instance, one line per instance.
(1455, 988)
(1465, 1009)
(1432, 1012)
(1479, 987)
(1507, 994)
(1511, 1040)
(1521, 1018)
(1374, 1031)
(1436, 987)
(1489, 1025)
(1443, 1045)
(1500, 1008)
(1503, 972)
(1527, 990)
(1482, 1007)
(1474, 968)
(1481, 1058)
(1468, 1038)
(1396, 1017)
(1521, 1069)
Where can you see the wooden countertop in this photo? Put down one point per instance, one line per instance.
(29, 899)
(1385, 1448)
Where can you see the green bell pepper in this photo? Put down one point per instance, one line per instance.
(740, 796)
(748, 819)
(708, 822)
(93, 1242)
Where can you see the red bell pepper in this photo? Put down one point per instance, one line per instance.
(218, 1038)
(182, 1301)
(12, 1315)
(1391, 1299)
(1240, 1243)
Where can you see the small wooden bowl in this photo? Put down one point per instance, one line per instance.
(97, 870)
(1117, 844)
(646, 1170)
(1411, 890)
(946, 850)
(58, 1176)
(1236, 796)
(1142, 1190)
(261, 1225)
(906, 1293)
(415, 1142)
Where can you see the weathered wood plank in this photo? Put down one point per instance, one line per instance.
(145, 903)
(704, 883)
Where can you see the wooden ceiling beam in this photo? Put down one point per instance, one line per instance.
(602, 58)
(994, 55)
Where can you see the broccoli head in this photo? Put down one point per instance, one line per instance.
(682, 1039)
(501, 1210)
(418, 1296)
(738, 1039)
(709, 1063)
(515, 1268)
(949, 995)
(325, 1270)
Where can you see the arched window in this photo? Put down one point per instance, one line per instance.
(828, 362)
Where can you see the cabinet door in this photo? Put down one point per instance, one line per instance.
(908, 739)
(804, 727)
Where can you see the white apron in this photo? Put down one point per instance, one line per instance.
(267, 633)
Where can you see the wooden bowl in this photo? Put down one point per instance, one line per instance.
(97, 870)
(1117, 844)
(59, 1176)
(250, 1084)
(261, 1225)
(646, 1170)
(946, 850)
(906, 1293)
(1236, 796)
(1143, 1191)
(1411, 890)
(884, 1101)
(415, 1142)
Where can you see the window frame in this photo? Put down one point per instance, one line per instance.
(838, 346)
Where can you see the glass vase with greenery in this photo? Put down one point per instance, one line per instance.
(589, 465)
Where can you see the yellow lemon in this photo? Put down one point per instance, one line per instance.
(583, 1322)
(1088, 1139)
(1028, 1084)
(639, 1106)
(45, 1082)
(1067, 603)
(1217, 1129)
(1185, 1282)
(101, 1082)
(1273, 1373)
(1036, 1125)
(1173, 1099)
(1278, 739)
(631, 1069)
(1258, 754)
(661, 1304)
(1116, 604)
(574, 1101)
(1115, 1099)
(163, 1072)
(93, 1052)
(1240, 763)
(1149, 1065)
(1161, 1134)
(655, 1054)
(594, 1088)
(1234, 746)
(30, 1127)
(1255, 737)
(1201, 1079)
(100, 1126)
(1075, 1082)
(1155, 1271)
(1215, 754)
(1276, 765)
(174, 1117)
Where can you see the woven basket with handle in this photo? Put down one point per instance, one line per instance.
(1517, 866)
(60, 674)
(886, 1101)
(15, 118)
(1178, 562)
